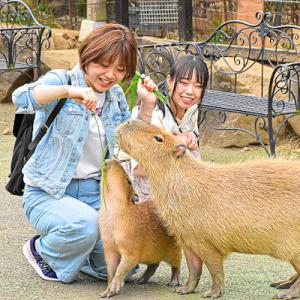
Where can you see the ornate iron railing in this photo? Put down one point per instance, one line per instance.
(231, 51)
(21, 38)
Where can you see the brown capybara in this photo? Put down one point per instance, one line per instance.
(132, 233)
(213, 210)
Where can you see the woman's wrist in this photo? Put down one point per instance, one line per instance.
(67, 91)
(145, 112)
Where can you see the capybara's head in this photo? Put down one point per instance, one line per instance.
(145, 142)
(117, 182)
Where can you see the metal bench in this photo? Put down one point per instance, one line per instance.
(21, 39)
(231, 51)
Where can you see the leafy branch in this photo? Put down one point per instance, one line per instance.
(133, 89)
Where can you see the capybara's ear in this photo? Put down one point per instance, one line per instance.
(179, 150)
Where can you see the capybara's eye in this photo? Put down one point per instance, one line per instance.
(158, 138)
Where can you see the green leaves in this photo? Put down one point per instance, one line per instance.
(103, 175)
(103, 163)
(133, 89)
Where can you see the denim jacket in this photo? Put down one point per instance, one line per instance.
(52, 165)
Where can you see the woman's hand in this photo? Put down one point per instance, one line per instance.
(189, 139)
(145, 90)
(83, 95)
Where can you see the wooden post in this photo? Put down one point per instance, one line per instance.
(185, 21)
(122, 15)
(96, 16)
(96, 10)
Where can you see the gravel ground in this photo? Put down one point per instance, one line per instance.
(247, 276)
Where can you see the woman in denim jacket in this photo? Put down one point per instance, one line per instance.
(61, 196)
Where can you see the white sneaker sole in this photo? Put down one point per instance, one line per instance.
(32, 261)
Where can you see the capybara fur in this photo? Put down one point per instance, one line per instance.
(213, 210)
(132, 233)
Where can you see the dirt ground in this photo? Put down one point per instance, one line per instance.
(247, 276)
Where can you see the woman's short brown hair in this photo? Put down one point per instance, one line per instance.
(109, 43)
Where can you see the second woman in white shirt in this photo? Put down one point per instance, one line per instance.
(186, 83)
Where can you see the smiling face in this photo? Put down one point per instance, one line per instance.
(108, 54)
(185, 94)
(102, 76)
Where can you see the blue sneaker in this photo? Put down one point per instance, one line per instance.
(40, 266)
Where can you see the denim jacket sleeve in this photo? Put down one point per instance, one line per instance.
(125, 113)
(24, 99)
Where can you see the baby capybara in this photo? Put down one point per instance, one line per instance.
(213, 210)
(132, 233)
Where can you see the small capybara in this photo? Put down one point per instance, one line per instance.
(213, 210)
(132, 233)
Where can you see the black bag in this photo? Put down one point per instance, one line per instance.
(24, 147)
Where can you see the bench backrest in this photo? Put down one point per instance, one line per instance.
(21, 37)
(236, 50)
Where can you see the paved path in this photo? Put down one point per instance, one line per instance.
(247, 277)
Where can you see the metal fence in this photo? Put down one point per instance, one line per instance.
(159, 17)
(285, 11)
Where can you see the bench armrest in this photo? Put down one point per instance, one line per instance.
(284, 87)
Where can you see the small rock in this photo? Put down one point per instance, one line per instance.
(6, 131)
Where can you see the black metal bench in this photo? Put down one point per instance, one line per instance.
(238, 46)
(21, 39)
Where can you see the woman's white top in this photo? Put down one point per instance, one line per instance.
(167, 122)
(90, 162)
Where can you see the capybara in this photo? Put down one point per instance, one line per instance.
(213, 210)
(132, 233)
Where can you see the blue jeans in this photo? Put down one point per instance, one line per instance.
(69, 228)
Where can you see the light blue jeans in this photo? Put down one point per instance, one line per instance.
(69, 228)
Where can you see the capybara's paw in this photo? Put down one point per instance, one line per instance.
(285, 284)
(174, 282)
(106, 294)
(115, 286)
(286, 295)
(185, 289)
(213, 293)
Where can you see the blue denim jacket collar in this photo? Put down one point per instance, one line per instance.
(78, 79)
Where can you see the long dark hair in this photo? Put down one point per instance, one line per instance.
(184, 67)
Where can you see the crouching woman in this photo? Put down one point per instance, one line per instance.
(62, 196)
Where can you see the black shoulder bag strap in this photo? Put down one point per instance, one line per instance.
(43, 130)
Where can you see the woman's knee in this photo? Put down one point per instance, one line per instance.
(83, 230)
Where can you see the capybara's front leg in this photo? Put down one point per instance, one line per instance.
(292, 293)
(285, 284)
(147, 274)
(174, 277)
(214, 264)
(126, 264)
(195, 270)
(112, 259)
